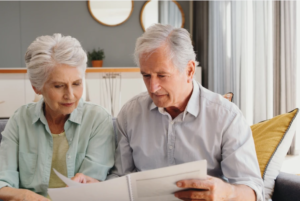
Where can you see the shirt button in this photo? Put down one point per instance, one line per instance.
(171, 122)
(69, 157)
(170, 147)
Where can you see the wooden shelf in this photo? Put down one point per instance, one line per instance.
(88, 70)
(13, 70)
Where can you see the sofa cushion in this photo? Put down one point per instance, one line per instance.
(272, 140)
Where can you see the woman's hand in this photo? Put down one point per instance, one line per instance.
(31, 196)
(13, 194)
(81, 178)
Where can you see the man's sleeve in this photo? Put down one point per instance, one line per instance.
(9, 146)
(239, 161)
(123, 158)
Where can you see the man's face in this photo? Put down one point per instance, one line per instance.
(165, 84)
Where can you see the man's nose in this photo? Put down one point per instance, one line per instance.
(154, 85)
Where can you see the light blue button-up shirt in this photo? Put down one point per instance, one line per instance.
(210, 128)
(26, 147)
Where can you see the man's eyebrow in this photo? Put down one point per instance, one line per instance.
(162, 72)
(159, 72)
(78, 80)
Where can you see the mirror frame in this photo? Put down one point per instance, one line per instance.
(89, 7)
(178, 5)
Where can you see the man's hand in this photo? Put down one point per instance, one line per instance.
(213, 189)
(81, 178)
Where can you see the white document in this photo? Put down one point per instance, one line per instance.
(157, 184)
(66, 180)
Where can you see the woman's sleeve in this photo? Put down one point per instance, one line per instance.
(9, 146)
(99, 158)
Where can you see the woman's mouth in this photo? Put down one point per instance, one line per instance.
(67, 104)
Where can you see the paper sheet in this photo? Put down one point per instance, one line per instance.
(158, 184)
(66, 180)
(111, 190)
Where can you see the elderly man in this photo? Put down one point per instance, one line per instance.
(179, 121)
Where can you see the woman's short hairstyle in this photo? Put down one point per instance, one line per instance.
(177, 40)
(47, 52)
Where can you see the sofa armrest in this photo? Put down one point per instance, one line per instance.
(287, 187)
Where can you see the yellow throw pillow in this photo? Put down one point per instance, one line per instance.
(272, 140)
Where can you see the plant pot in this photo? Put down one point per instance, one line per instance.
(97, 63)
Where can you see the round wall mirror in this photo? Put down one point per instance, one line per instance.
(164, 12)
(111, 13)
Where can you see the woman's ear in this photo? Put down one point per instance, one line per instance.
(36, 91)
(190, 70)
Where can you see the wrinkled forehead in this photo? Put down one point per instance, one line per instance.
(162, 54)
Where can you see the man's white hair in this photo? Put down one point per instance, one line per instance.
(47, 52)
(177, 40)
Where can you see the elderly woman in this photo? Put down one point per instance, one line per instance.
(61, 131)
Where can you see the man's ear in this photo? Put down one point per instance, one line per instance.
(190, 70)
(36, 91)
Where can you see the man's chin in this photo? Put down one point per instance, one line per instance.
(160, 103)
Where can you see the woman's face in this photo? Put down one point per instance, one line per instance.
(62, 90)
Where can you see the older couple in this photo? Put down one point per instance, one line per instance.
(177, 121)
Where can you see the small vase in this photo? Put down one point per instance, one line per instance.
(97, 63)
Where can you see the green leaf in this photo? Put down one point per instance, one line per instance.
(96, 54)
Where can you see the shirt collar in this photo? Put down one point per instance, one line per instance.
(193, 105)
(75, 116)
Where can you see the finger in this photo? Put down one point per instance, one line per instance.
(79, 178)
(194, 195)
(205, 184)
(91, 180)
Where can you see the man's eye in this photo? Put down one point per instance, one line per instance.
(146, 76)
(58, 86)
(161, 76)
(77, 84)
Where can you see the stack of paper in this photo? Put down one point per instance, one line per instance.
(158, 184)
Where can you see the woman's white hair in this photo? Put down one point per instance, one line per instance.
(47, 52)
(177, 40)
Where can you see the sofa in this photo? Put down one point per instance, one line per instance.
(287, 186)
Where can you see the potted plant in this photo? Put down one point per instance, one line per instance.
(96, 57)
